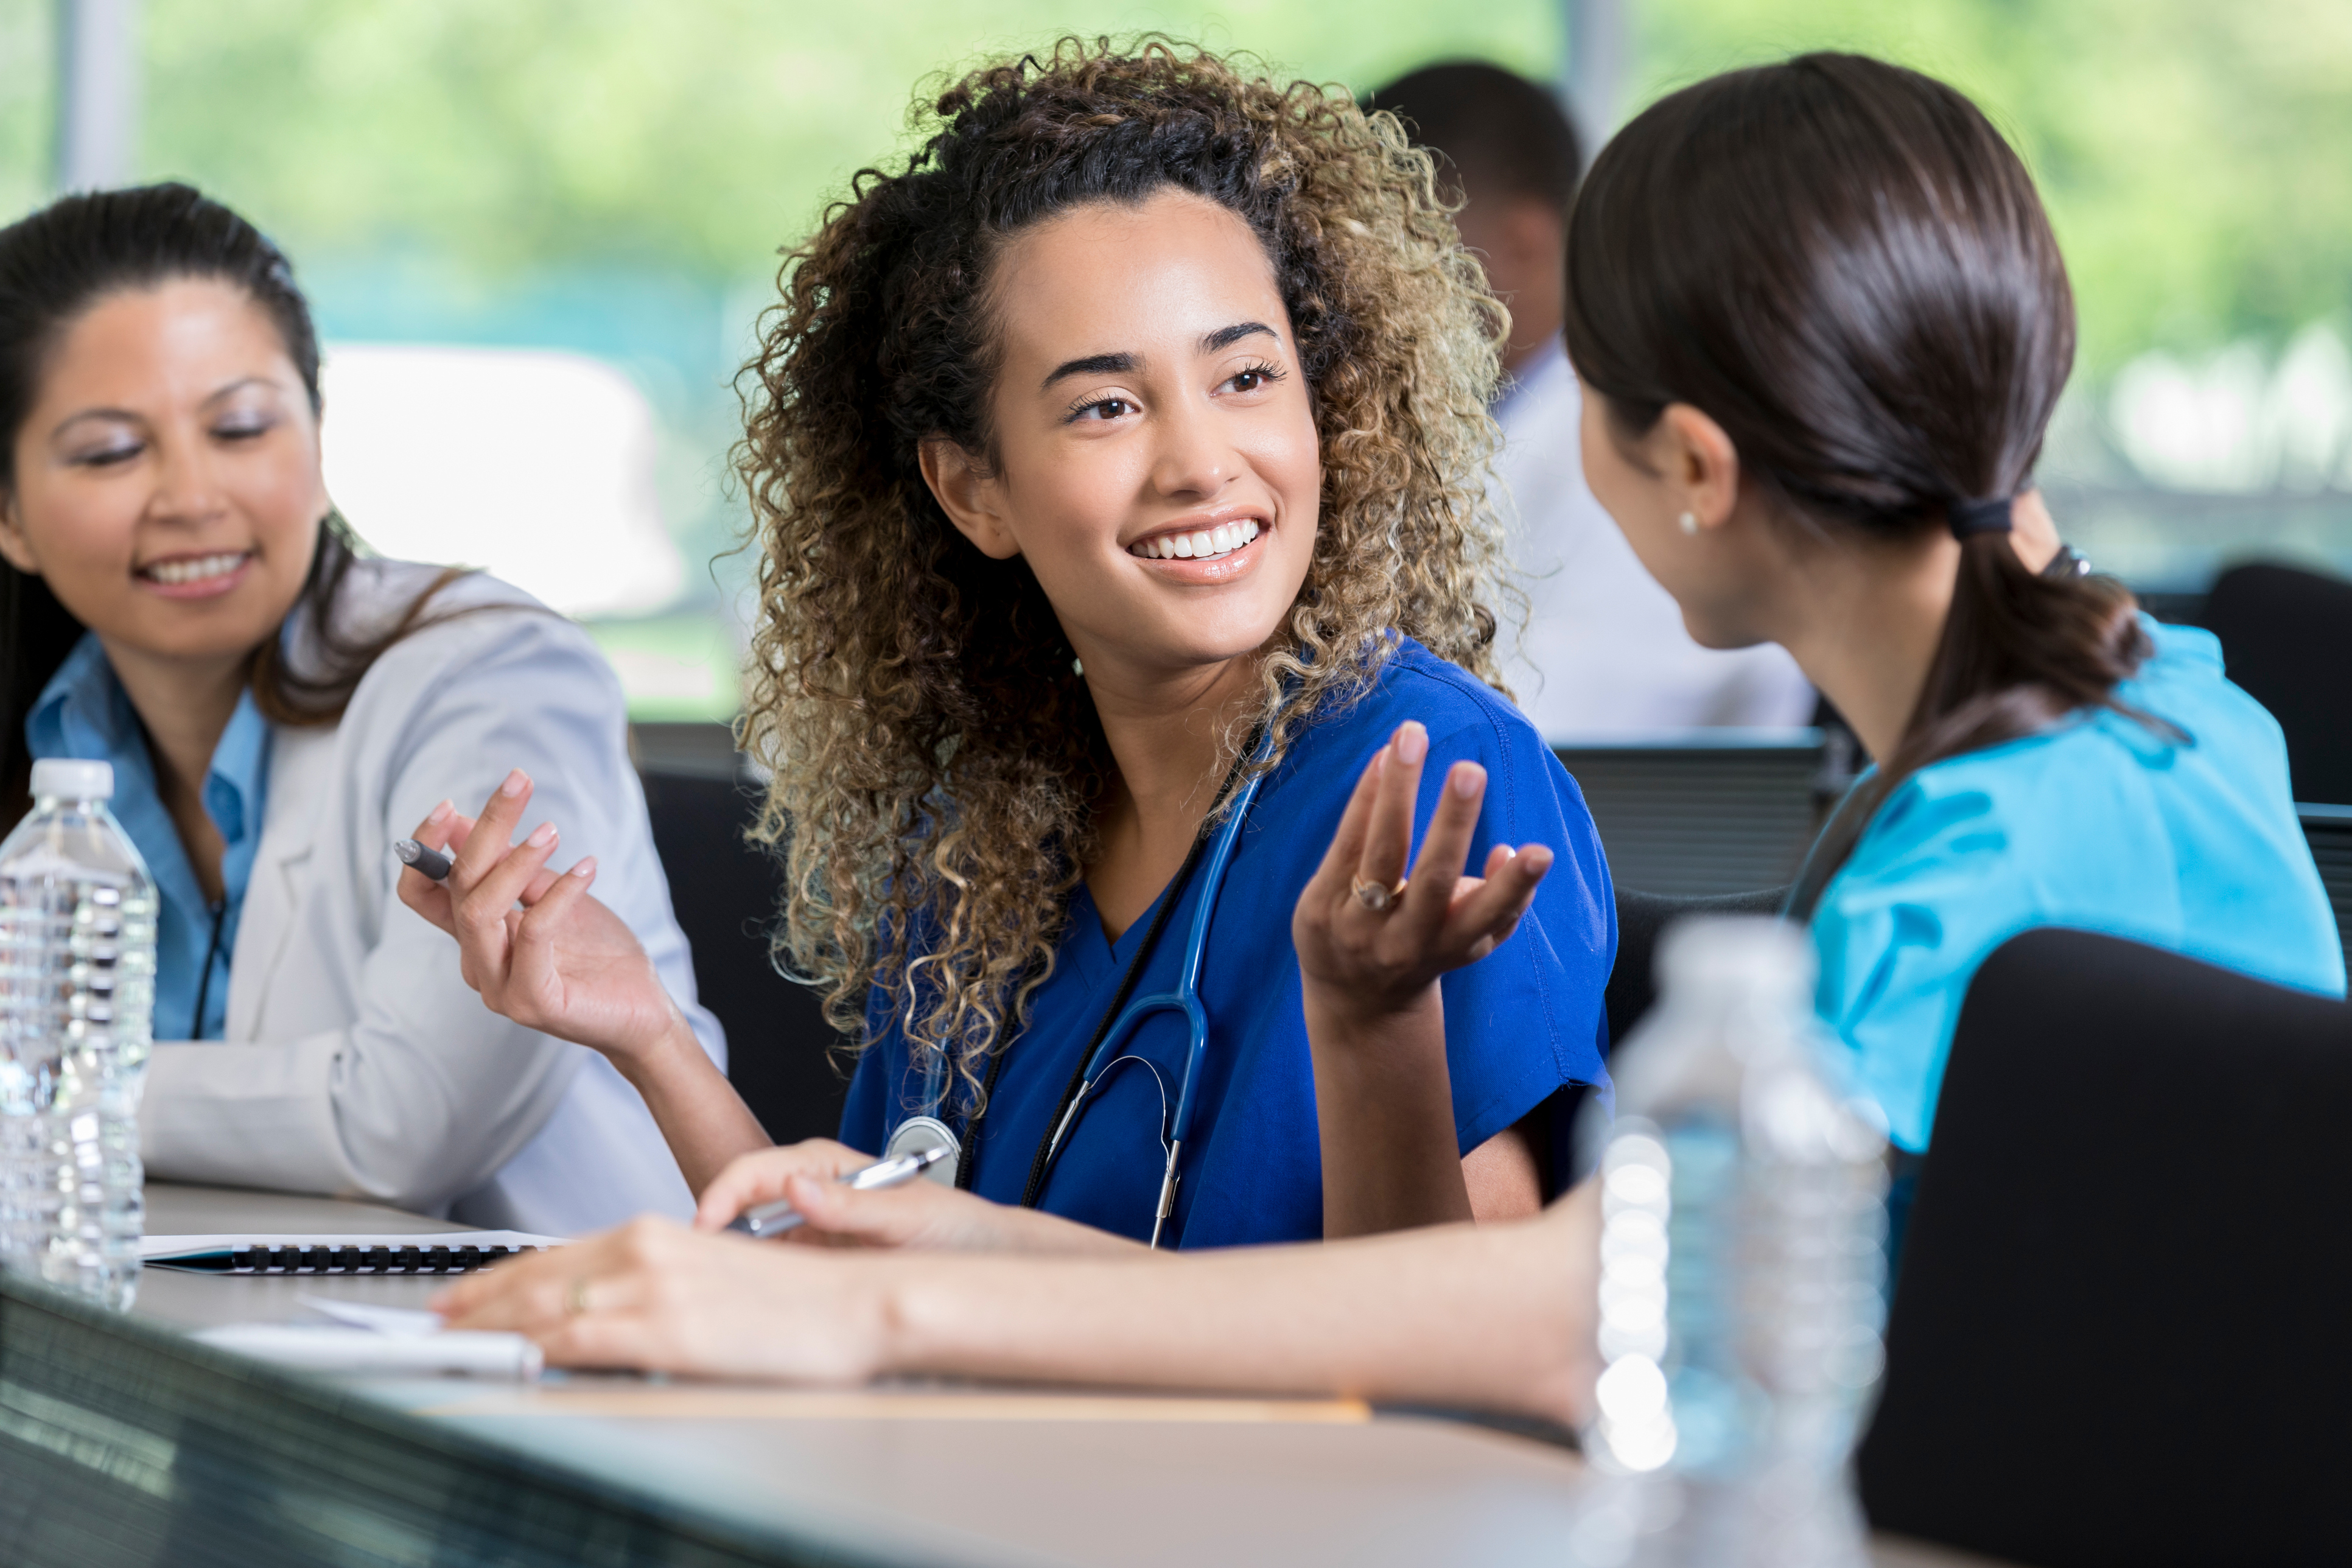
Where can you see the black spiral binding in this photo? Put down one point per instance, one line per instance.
(367, 1259)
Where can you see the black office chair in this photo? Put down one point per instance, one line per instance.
(2119, 1334)
(1642, 919)
(2286, 636)
(726, 892)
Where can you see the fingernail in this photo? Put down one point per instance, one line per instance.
(587, 866)
(441, 813)
(1467, 779)
(517, 782)
(1413, 742)
(542, 837)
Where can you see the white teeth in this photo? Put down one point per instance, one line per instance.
(1222, 540)
(194, 571)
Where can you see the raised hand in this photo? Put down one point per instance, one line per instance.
(1371, 939)
(1372, 947)
(538, 947)
(544, 953)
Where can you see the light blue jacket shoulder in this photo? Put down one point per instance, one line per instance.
(2176, 828)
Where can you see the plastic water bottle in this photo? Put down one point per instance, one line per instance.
(76, 1018)
(1741, 1289)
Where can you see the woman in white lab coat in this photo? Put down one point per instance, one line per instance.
(178, 598)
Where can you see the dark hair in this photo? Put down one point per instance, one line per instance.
(1496, 128)
(55, 266)
(1844, 264)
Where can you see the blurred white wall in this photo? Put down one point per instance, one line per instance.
(2241, 422)
(534, 464)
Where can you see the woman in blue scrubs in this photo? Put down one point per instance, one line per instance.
(1125, 448)
(1822, 322)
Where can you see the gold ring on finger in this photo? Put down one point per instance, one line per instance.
(1377, 897)
(575, 1299)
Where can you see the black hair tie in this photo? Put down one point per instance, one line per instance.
(1969, 518)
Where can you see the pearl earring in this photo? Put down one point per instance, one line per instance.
(1689, 521)
(1077, 666)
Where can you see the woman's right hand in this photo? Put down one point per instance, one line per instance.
(563, 962)
(921, 1213)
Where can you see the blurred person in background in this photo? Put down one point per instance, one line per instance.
(1605, 651)
(179, 598)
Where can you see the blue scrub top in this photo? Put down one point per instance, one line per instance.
(1519, 1024)
(84, 713)
(2101, 823)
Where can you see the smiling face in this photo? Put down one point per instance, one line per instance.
(1156, 458)
(167, 484)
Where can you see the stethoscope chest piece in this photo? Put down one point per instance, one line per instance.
(920, 1134)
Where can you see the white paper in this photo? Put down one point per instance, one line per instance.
(325, 1347)
(401, 1322)
(163, 1248)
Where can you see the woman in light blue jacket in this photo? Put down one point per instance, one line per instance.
(278, 709)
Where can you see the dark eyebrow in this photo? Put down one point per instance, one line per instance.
(240, 384)
(120, 415)
(1226, 336)
(132, 416)
(1093, 364)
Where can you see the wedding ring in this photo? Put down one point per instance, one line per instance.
(1377, 897)
(575, 1301)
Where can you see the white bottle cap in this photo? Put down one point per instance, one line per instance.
(1749, 951)
(67, 778)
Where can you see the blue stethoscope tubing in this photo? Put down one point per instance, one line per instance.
(1184, 999)
(927, 1131)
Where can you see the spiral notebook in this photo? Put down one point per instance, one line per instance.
(448, 1252)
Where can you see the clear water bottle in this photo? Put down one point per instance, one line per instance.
(1742, 1269)
(77, 1016)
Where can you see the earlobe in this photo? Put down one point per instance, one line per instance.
(1706, 466)
(970, 497)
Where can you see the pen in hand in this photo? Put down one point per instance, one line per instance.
(415, 856)
(778, 1218)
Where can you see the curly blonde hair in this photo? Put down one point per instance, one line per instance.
(935, 761)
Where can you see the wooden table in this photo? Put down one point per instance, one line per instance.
(188, 1448)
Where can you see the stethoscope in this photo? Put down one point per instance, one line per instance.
(927, 1131)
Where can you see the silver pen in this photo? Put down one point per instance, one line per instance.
(417, 858)
(778, 1218)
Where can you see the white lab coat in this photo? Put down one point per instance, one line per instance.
(1605, 655)
(357, 1062)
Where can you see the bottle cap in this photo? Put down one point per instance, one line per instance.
(1749, 951)
(68, 778)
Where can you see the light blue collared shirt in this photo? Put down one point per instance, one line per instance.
(84, 713)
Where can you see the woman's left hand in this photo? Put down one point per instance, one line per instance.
(1371, 942)
(656, 1296)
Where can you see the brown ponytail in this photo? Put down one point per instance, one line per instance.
(1844, 265)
